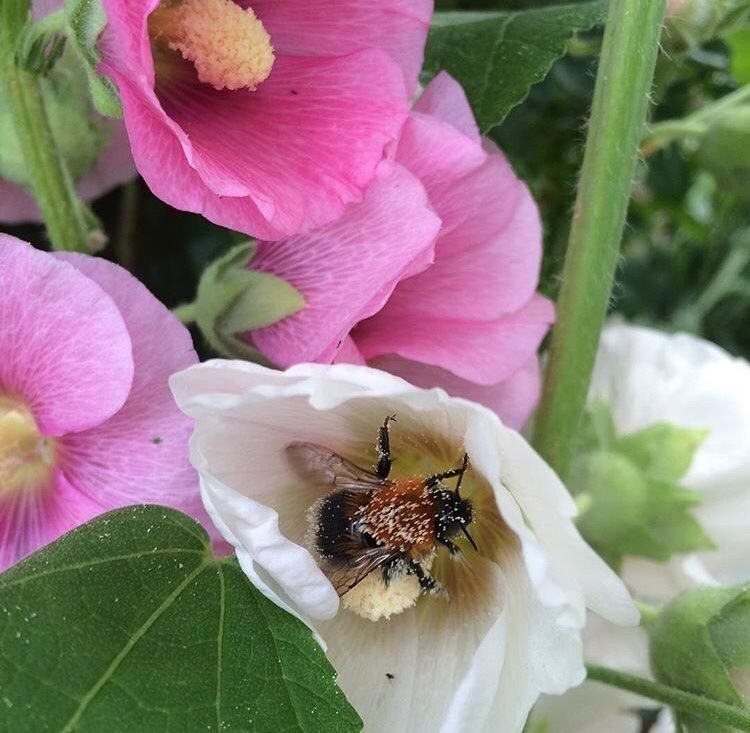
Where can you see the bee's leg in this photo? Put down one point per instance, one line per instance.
(452, 548)
(436, 478)
(426, 582)
(383, 467)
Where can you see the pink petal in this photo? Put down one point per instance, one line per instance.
(513, 399)
(488, 255)
(16, 206)
(445, 99)
(438, 154)
(31, 519)
(301, 146)
(340, 27)
(482, 352)
(140, 454)
(271, 162)
(65, 347)
(347, 270)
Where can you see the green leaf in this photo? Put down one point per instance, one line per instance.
(128, 624)
(739, 45)
(86, 20)
(233, 299)
(497, 56)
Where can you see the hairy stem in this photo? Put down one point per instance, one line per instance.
(621, 99)
(686, 702)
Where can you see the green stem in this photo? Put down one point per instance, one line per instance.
(649, 613)
(663, 133)
(687, 702)
(621, 98)
(69, 223)
(186, 313)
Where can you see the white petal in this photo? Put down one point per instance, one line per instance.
(548, 509)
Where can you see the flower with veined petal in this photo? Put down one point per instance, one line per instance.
(510, 625)
(87, 423)
(265, 116)
(460, 312)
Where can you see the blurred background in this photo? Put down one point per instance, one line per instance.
(685, 262)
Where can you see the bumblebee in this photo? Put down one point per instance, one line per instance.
(368, 521)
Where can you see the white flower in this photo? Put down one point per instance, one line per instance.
(510, 627)
(648, 377)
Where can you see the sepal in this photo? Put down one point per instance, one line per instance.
(234, 300)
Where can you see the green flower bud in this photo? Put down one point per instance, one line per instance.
(700, 642)
(691, 22)
(233, 300)
(725, 150)
(79, 134)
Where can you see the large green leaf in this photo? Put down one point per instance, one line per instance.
(497, 56)
(129, 624)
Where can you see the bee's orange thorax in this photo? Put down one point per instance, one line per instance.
(401, 515)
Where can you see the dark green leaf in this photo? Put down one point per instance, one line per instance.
(129, 624)
(498, 56)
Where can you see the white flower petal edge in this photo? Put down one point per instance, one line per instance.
(475, 663)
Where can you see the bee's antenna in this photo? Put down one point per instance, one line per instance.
(461, 476)
(470, 538)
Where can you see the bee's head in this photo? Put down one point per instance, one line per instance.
(454, 516)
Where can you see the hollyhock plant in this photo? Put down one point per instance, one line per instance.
(506, 624)
(265, 116)
(460, 312)
(99, 146)
(87, 422)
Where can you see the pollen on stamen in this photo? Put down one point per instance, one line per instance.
(227, 44)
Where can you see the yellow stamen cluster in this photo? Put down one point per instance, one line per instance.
(227, 44)
(26, 457)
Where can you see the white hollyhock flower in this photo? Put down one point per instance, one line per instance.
(510, 625)
(648, 377)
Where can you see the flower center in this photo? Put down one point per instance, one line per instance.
(26, 456)
(227, 44)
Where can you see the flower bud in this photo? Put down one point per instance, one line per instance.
(691, 22)
(725, 150)
(700, 642)
(79, 134)
(233, 300)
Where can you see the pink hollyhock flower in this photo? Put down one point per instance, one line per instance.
(265, 116)
(460, 312)
(114, 165)
(87, 422)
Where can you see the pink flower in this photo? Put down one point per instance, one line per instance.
(87, 422)
(460, 312)
(265, 116)
(114, 164)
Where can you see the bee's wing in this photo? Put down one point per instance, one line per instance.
(357, 561)
(320, 465)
